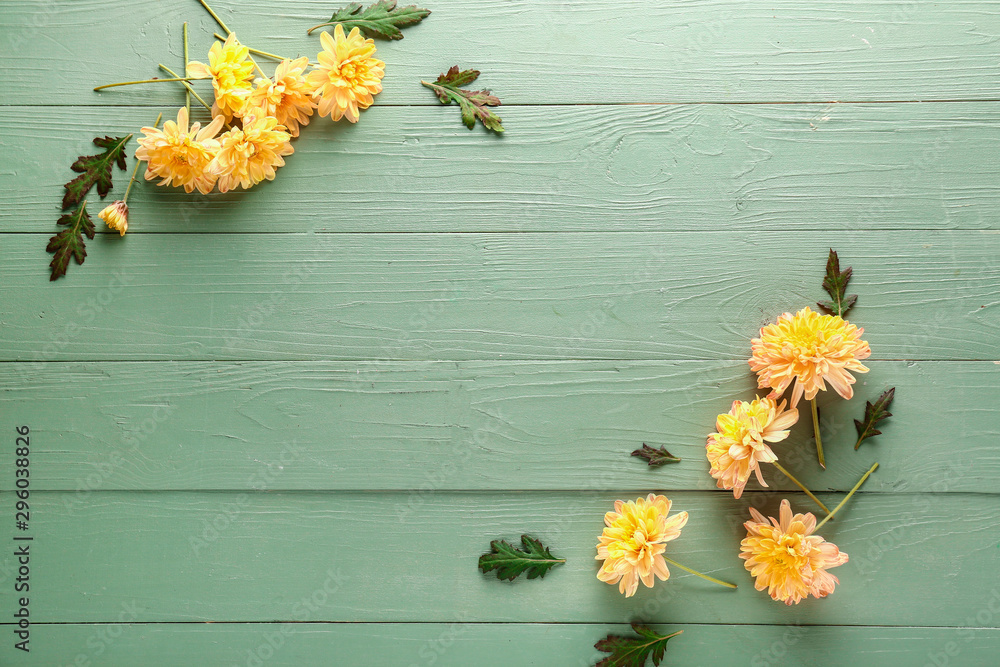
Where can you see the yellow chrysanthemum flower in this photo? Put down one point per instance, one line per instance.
(739, 445)
(180, 156)
(347, 75)
(231, 70)
(809, 349)
(634, 540)
(787, 559)
(287, 96)
(250, 154)
(115, 216)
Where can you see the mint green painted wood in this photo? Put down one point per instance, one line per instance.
(932, 295)
(486, 645)
(598, 51)
(583, 168)
(917, 559)
(471, 425)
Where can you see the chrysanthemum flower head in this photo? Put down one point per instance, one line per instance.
(634, 540)
(347, 75)
(250, 154)
(787, 559)
(287, 97)
(740, 443)
(115, 216)
(810, 350)
(179, 155)
(231, 70)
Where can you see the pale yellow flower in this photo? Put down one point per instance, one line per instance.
(178, 155)
(787, 559)
(231, 70)
(811, 350)
(287, 96)
(739, 445)
(634, 540)
(115, 216)
(251, 154)
(347, 75)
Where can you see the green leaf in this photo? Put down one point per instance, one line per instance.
(655, 457)
(874, 413)
(95, 169)
(474, 104)
(69, 242)
(380, 19)
(633, 651)
(510, 562)
(835, 284)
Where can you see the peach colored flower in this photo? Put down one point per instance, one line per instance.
(287, 96)
(809, 349)
(178, 155)
(231, 70)
(115, 216)
(634, 540)
(347, 75)
(250, 154)
(739, 445)
(787, 559)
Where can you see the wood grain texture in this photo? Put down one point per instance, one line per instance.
(462, 644)
(427, 426)
(560, 52)
(935, 295)
(193, 556)
(592, 168)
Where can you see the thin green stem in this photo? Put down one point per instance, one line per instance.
(188, 86)
(819, 440)
(703, 576)
(132, 83)
(187, 93)
(136, 169)
(846, 498)
(801, 486)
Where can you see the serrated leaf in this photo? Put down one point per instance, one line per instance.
(655, 457)
(68, 243)
(874, 413)
(510, 562)
(95, 170)
(380, 19)
(474, 104)
(634, 651)
(835, 283)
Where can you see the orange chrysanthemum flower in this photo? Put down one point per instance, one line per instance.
(180, 156)
(287, 96)
(347, 75)
(634, 540)
(811, 350)
(739, 446)
(251, 154)
(231, 70)
(115, 216)
(787, 559)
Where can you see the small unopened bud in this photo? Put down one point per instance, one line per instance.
(116, 216)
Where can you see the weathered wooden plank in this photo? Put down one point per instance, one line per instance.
(462, 644)
(917, 559)
(490, 296)
(563, 52)
(431, 426)
(593, 168)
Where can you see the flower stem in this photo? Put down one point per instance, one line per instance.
(801, 486)
(819, 440)
(703, 576)
(187, 93)
(132, 83)
(188, 86)
(228, 32)
(846, 498)
(136, 170)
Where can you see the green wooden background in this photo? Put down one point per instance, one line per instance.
(279, 427)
